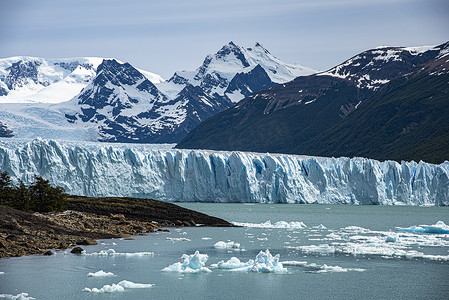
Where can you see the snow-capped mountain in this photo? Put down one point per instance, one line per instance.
(127, 107)
(305, 115)
(216, 73)
(108, 100)
(25, 79)
(373, 68)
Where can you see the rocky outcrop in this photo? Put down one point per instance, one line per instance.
(23, 233)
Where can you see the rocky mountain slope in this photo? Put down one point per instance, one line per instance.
(108, 100)
(308, 114)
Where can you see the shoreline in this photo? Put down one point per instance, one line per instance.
(89, 219)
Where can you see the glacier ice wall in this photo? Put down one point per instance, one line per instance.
(200, 175)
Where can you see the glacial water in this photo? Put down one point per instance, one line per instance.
(342, 252)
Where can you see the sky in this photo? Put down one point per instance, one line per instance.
(170, 35)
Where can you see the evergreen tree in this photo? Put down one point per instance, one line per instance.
(22, 197)
(45, 198)
(6, 189)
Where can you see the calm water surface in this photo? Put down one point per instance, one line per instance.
(64, 276)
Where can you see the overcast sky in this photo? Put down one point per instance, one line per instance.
(170, 35)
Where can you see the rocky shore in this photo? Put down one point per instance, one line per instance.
(89, 219)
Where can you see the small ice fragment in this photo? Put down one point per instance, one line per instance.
(21, 296)
(227, 245)
(390, 239)
(327, 269)
(322, 248)
(100, 273)
(193, 263)
(178, 239)
(294, 263)
(321, 226)
(118, 287)
(268, 224)
(112, 252)
(206, 238)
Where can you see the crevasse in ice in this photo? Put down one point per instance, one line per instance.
(214, 176)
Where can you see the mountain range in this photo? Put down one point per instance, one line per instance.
(109, 100)
(384, 103)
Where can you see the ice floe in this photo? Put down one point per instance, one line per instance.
(353, 240)
(226, 245)
(439, 227)
(263, 263)
(268, 224)
(100, 273)
(21, 296)
(314, 268)
(112, 252)
(194, 263)
(118, 287)
(206, 238)
(178, 239)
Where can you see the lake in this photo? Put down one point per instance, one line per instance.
(337, 252)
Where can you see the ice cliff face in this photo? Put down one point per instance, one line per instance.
(195, 175)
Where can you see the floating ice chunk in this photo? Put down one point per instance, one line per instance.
(119, 287)
(112, 252)
(322, 248)
(2, 273)
(410, 229)
(21, 296)
(264, 263)
(268, 224)
(233, 263)
(294, 263)
(206, 238)
(100, 273)
(321, 226)
(328, 269)
(193, 263)
(439, 227)
(178, 239)
(227, 245)
(391, 238)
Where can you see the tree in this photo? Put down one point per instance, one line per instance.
(22, 197)
(45, 198)
(6, 189)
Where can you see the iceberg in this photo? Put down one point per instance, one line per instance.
(438, 227)
(194, 263)
(263, 263)
(227, 245)
(118, 287)
(95, 169)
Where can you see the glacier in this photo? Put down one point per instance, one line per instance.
(216, 176)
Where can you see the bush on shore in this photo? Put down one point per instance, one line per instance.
(40, 196)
